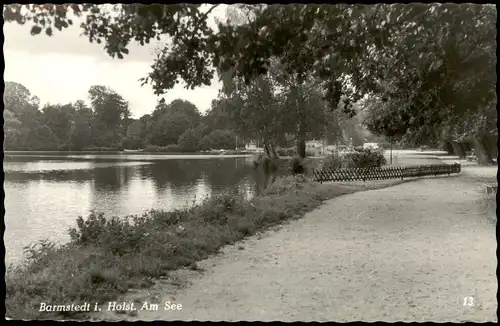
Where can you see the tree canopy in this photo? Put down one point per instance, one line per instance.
(427, 68)
(106, 124)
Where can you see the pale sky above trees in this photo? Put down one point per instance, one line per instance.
(61, 68)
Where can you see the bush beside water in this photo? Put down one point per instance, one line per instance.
(297, 166)
(359, 158)
(106, 256)
(268, 164)
(294, 166)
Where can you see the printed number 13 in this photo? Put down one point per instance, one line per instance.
(468, 301)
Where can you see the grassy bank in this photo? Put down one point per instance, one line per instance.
(105, 257)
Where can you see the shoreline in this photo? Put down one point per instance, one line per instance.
(107, 257)
(129, 153)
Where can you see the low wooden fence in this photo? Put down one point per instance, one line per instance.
(383, 173)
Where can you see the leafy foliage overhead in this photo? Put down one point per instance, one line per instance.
(426, 67)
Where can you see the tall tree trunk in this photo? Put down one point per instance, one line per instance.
(269, 142)
(273, 149)
(448, 147)
(490, 144)
(337, 152)
(266, 181)
(464, 147)
(301, 147)
(266, 148)
(301, 143)
(483, 157)
(457, 148)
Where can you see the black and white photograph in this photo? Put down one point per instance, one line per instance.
(250, 162)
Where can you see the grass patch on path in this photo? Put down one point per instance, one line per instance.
(107, 256)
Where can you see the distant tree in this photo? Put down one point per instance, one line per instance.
(205, 143)
(274, 105)
(186, 108)
(134, 129)
(12, 130)
(24, 108)
(256, 111)
(203, 129)
(219, 115)
(109, 107)
(220, 139)
(190, 140)
(133, 136)
(18, 99)
(80, 133)
(131, 143)
(146, 126)
(59, 118)
(110, 113)
(41, 139)
(169, 121)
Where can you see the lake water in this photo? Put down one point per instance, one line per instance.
(46, 192)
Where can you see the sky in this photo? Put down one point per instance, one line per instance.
(61, 68)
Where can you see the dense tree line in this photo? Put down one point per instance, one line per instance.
(421, 73)
(106, 124)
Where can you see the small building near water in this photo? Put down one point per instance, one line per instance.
(370, 145)
(314, 144)
(251, 146)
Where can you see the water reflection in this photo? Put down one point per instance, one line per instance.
(174, 173)
(110, 179)
(40, 209)
(44, 196)
(112, 156)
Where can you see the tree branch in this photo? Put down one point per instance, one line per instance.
(204, 17)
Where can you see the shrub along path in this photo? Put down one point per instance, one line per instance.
(412, 252)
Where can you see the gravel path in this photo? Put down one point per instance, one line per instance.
(411, 252)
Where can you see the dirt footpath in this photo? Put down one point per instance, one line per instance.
(411, 252)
